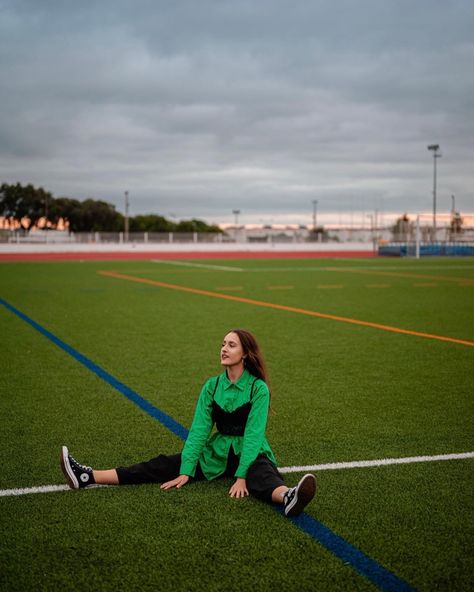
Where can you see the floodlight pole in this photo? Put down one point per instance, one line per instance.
(126, 217)
(434, 148)
(417, 237)
(315, 205)
(46, 210)
(372, 237)
(236, 214)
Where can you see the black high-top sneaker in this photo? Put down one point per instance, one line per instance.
(297, 498)
(77, 476)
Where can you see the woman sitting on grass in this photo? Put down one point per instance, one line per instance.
(237, 402)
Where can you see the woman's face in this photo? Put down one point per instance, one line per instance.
(232, 352)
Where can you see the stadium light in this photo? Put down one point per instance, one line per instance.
(434, 148)
(315, 205)
(126, 217)
(236, 214)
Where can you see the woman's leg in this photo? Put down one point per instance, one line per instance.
(160, 469)
(278, 494)
(107, 477)
(266, 483)
(157, 470)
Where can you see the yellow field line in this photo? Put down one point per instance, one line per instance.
(281, 287)
(330, 286)
(294, 309)
(403, 274)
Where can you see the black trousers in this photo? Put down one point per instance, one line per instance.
(262, 477)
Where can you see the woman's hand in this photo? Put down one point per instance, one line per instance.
(178, 482)
(239, 488)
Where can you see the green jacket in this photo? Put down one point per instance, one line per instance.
(212, 450)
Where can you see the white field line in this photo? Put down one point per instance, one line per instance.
(204, 265)
(41, 489)
(375, 463)
(364, 267)
(296, 469)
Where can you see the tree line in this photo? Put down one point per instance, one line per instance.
(25, 206)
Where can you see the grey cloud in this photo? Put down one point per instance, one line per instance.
(213, 105)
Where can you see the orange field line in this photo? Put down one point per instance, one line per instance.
(311, 313)
(404, 274)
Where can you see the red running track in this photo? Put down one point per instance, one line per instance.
(140, 255)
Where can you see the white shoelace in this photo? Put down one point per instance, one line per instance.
(72, 460)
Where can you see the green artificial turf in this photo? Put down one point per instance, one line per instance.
(341, 392)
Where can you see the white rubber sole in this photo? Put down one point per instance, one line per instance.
(66, 467)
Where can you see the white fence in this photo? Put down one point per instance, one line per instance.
(240, 235)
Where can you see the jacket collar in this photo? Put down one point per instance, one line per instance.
(240, 384)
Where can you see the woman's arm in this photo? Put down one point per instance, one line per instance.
(178, 482)
(254, 434)
(200, 430)
(239, 488)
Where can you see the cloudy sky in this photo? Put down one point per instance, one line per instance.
(199, 108)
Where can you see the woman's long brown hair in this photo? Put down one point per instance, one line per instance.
(253, 361)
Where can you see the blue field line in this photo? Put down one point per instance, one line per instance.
(134, 397)
(363, 564)
(377, 574)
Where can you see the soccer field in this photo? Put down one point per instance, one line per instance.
(369, 360)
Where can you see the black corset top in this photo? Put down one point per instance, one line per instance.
(231, 423)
